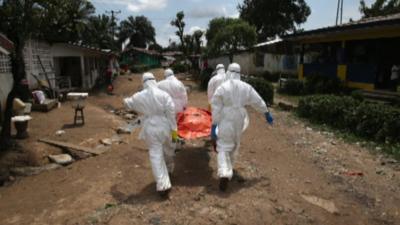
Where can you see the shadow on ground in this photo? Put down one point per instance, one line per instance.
(192, 169)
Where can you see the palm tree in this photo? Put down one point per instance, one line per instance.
(139, 30)
(99, 32)
(65, 20)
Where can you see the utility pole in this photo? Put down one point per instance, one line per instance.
(339, 12)
(113, 13)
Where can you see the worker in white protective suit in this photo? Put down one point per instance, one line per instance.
(159, 129)
(176, 89)
(229, 113)
(216, 81)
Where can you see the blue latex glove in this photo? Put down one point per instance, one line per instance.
(214, 132)
(269, 118)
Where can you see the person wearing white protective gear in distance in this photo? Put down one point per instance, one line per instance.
(228, 116)
(176, 89)
(215, 82)
(159, 129)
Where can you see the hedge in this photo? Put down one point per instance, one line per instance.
(139, 68)
(319, 84)
(370, 120)
(263, 87)
(179, 68)
(313, 84)
(292, 87)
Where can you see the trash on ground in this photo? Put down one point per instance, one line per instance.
(129, 128)
(60, 132)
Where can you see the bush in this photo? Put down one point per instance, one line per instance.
(271, 77)
(318, 84)
(358, 95)
(205, 77)
(140, 68)
(371, 120)
(263, 87)
(179, 68)
(292, 87)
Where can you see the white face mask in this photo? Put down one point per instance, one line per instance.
(148, 82)
(233, 75)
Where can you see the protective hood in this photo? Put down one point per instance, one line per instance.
(233, 72)
(149, 80)
(220, 69)
(168, 73)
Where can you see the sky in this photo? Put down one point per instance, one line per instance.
(199, 12)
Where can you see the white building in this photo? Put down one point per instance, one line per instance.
(6, 78)
(274, 56)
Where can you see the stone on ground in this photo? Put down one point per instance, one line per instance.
(63, 159)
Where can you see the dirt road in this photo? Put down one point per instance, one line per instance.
(293, 175)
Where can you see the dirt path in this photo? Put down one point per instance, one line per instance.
(293, 175)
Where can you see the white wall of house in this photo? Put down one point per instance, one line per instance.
(213, 62)
(6, 80)
(91, 62)
(33, 49)
(273, 63)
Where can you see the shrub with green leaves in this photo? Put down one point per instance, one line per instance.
(271, 77)
(179, 68)
(139, 68)
(371, 120)
(263, 87)
(318, 84)
(292, 87)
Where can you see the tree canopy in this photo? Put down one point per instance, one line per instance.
(139, 30)
(228, 35)
(99, 32)
(380, 8)
(274, 17)
(63, 21)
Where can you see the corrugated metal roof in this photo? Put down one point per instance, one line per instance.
(393, 19)
(276, 40)
(91, 48)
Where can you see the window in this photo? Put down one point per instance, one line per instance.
(5, 64)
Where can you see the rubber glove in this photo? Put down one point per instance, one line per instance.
(174, 135)
(214, 132)
(269, 118)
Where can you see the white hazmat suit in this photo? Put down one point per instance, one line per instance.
(229, 113)
(176, 89)
(216, 81)
(159, 121)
